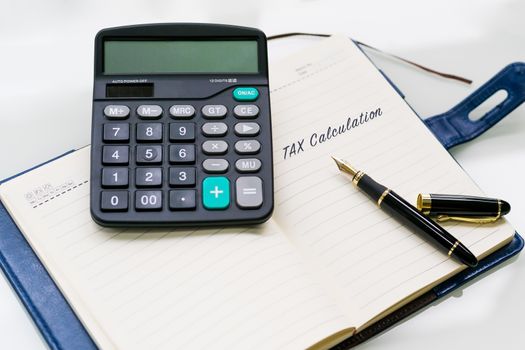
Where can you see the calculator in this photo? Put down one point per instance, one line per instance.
(181, 131)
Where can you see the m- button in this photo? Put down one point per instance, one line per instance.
(149, 111)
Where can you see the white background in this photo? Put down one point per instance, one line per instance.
(46, 65)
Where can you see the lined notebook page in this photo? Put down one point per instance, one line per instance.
(232, 288)
(371, 261)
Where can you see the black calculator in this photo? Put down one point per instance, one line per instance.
(181, 132)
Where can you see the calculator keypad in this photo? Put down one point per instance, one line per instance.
(177, 162)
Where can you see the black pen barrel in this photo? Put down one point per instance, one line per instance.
(406, 213)
(409, 215)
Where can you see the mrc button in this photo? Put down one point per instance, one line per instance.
(245, 94)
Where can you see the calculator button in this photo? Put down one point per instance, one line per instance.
(245, 94)
(214, 111)
(148, 177)
(248, 191)
(247, 146)
(115, 155)
(182, 131)
(148, 200)
(116, 132)
(180, 176)
(214, 147)
(214, 129)
(248, 165)
(246, 111)
(149, 111)
(116, 111)
(182, 199)
(149, 154)
(114, 200)
(247, 129)
(182, 111)
(215, 165)
(216, 192)
(115, 177)
(149, 132)
(182, 154)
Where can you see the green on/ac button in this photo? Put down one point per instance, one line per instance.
(245, 94)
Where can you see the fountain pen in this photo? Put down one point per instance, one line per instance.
(397, 207)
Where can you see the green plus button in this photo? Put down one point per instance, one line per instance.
(216, 192)
(245, 94)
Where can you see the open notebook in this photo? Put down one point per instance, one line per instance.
(325, 266)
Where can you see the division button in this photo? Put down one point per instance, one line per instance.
(182, 111)
(247, 129)
(214, 111)
(247, 147)
(215, 165)
(214, 147)
(116, 111)
(182, 200)
(214, 129)
(246, 111)
(149, 111)
(245, 94)
(216, 192)
(248, 191)
(248, 165)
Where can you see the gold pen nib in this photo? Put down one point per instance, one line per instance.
(344, 166)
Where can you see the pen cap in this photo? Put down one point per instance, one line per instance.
(461, 205)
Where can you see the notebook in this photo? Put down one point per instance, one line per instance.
(328, 265)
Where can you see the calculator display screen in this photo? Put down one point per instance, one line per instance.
(180, 56)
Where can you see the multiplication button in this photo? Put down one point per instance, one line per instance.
(215, 147)
(248, 190)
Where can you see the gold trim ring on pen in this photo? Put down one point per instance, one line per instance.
(452, 249)
(357, 177)
(383, 195)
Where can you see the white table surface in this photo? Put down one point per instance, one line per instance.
(46, 64)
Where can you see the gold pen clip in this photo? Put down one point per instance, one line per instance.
(478, 220)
